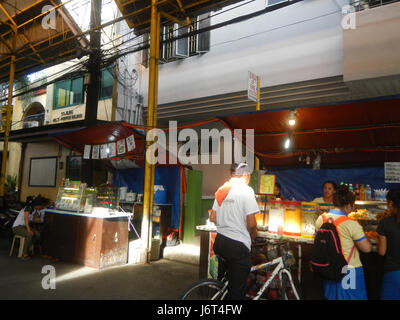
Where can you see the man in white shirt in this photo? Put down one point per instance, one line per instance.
(233, 213)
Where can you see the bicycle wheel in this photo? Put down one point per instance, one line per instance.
(204, 290)
(288, 289)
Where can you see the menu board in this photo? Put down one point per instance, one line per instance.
(86, 152)
(267, 184)
(95, 152)
(112, 150)
(392, 172)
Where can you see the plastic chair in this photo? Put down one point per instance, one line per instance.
(21, 245)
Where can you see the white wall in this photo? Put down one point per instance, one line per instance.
(297, 43)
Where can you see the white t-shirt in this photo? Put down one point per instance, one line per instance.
(20, 220)
(232, 214)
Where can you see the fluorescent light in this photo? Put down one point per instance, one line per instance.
(287, 143)
(292, 122)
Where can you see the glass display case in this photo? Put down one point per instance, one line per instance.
(71, 198)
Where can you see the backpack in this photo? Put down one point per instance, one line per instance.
(327, 259)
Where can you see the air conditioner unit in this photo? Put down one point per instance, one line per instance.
(30, 124)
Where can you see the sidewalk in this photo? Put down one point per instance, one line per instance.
(163, 279)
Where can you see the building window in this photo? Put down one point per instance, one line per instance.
(68, 93)
(107, 83)
(183, 47)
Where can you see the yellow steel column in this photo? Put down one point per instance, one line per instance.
(148, 183)
(8, 118)
(155, 109)
(257, 161)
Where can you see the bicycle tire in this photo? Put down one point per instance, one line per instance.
(286, 289)
(203, 290)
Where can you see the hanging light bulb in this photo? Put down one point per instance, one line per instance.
(287, 143)
(292, 118)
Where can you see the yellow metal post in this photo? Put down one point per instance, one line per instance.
(148, 183)
(8, 119)
(257, 161)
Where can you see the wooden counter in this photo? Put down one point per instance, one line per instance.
(90, 240)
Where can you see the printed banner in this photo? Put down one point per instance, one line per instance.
(95, 152)
(121, 146)
(112, 151)
(86, 152)
(130, 142)
(104, 151)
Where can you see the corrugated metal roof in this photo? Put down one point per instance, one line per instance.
(37, 46)
(138, 12)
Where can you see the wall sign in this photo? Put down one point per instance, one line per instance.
(267, 184)
(392, 172)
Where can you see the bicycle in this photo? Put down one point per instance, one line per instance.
(211, 289)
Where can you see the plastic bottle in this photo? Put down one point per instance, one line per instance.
(351, 187)
(362, 193)
(368, 193)
(357, 192)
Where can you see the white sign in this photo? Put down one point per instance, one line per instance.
(86, 152)
(95, 152)
(130, 142)
(252, 87)
(121, 146)
(112, 152)
(392, 172)
(104, 151)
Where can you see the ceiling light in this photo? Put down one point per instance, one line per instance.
(292, 118)
(287, 143)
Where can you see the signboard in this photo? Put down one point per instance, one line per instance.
(104, 151)
(112, 150)
(252, 87)
(121, 146)
(392, 172)
(267, 184)
(95, 152)
(86, 152)
(130, 142)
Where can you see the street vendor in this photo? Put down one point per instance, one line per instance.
(233, 213)
(329, 188)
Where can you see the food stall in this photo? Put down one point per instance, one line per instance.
(105, 222)
(86, 227)
(344, 142)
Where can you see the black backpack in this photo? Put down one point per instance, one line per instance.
(327, 260)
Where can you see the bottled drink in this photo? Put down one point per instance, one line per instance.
(368, 193)
(362, 193)
(357, 192)
(351, 187)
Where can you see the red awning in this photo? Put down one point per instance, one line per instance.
(108, 133)
(365, 132)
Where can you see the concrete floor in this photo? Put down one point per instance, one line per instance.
(159, 280)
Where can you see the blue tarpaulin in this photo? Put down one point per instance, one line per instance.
(305, 184)
(168, 176)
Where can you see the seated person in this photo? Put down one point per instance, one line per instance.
(329, 188)
(23, 225)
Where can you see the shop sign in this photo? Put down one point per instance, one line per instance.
(96, 151)
(86, 152)
(67, 116)
(103, 151)
(121, 146)
(392, 172)
(130, 142)
(267, 184)
(252, 87)
(111, 150)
